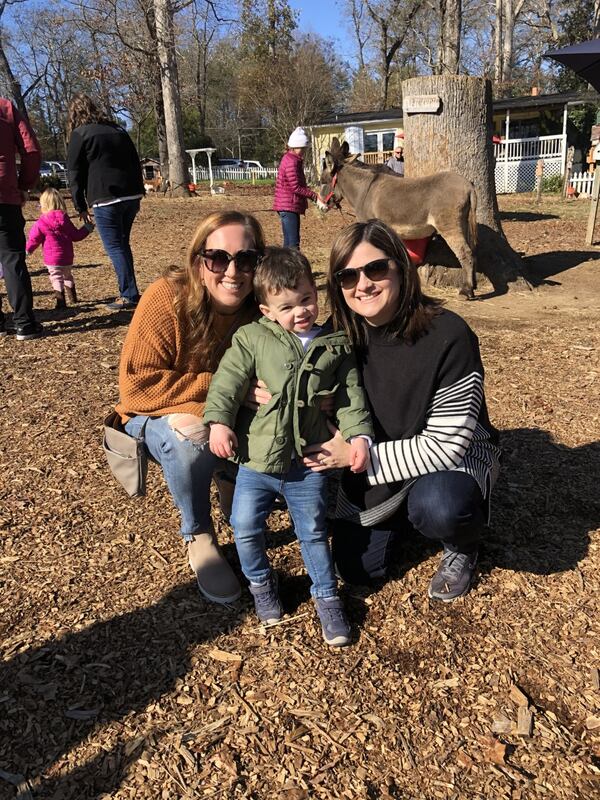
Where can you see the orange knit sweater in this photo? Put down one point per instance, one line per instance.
(156, 375)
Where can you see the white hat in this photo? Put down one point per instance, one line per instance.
(298, 138)
(398, 138)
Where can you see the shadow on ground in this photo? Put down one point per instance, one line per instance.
(57, 695)
(544, 265)
(525, 216)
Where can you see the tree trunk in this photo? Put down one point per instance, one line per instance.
(9, 80)
(161, 131)
(498, 47)
(451, 25)
(459, 138)
(171, 98)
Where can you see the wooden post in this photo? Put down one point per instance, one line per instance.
(568, 171)
(589, 236)
(539, 175)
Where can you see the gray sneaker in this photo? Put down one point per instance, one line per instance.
(336, 628)
(454, 576)
(266, 601)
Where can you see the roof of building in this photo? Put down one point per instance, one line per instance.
(360, 116)
(502, 104)
(537, 101)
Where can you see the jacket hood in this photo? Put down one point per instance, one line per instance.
(52, 220)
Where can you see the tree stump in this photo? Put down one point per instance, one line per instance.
(458, 137)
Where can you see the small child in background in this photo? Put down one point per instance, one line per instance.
(56, 233)
(300, 363)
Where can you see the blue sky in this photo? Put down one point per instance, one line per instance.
(326, 17)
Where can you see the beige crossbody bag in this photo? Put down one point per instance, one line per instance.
(126, 455)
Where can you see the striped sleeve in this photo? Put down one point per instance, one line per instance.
(450, 422)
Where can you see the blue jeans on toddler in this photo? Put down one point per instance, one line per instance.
(305, 493)
(188, 469)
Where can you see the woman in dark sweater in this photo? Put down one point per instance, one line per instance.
(105, 174)
(435, 457)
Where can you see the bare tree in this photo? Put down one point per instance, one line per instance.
(450, 36)
(392, 21)
(11, 83)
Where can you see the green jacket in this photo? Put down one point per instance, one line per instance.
(297, 380)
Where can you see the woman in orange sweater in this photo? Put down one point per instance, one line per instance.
(181, 327)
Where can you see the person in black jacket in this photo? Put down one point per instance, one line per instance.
(435, 457)
(105, 174)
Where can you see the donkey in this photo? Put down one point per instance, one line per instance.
(414, 207)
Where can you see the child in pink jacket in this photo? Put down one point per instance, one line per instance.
(56, 233)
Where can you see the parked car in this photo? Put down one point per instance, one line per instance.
(232, 163)
(253, 165)
(57, 169)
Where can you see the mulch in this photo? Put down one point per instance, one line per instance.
(118, 680)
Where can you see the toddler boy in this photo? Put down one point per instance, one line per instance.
(300, 363)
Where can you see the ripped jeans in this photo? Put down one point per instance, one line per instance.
(187, 465)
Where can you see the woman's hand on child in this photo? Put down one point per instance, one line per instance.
(328, 455)
(359, 454)
(258, 394)
(222, 440)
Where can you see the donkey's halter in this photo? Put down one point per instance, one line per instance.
(330, 196)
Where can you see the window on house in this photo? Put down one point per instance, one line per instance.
(388, 140)
(378, 141)
(371, 143)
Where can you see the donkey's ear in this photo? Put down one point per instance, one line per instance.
(345, 150)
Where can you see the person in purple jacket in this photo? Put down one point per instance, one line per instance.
(291, 192)
(56, 233)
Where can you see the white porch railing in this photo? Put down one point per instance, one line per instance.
(516, 161)
(582, 182)
(236, 173)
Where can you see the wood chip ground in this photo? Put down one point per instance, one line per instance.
(119, 681)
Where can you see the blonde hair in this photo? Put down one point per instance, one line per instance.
(52, 200)
(192, 302)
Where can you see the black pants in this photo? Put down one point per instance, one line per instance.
(445, 506)
(12, 258)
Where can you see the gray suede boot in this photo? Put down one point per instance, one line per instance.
(216, 580)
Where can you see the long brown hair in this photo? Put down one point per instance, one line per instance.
(85, 111)
(192, 302)
(415, 309)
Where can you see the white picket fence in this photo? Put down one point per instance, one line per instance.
(235, 173)
(582, 182)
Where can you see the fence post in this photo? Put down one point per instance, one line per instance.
(589, 236)
(539, 174)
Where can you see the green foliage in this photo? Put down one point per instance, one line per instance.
(553, 184)
(577, 27)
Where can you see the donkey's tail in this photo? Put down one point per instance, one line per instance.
(472, 224)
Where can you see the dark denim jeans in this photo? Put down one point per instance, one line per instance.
(187, 467)
(12, 258)
(114, 224)
(445, 506)
(290, 225)
(306, 495)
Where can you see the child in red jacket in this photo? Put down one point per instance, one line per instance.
(56, 233)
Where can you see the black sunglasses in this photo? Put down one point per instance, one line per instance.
(219, 260)
(376, 270)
